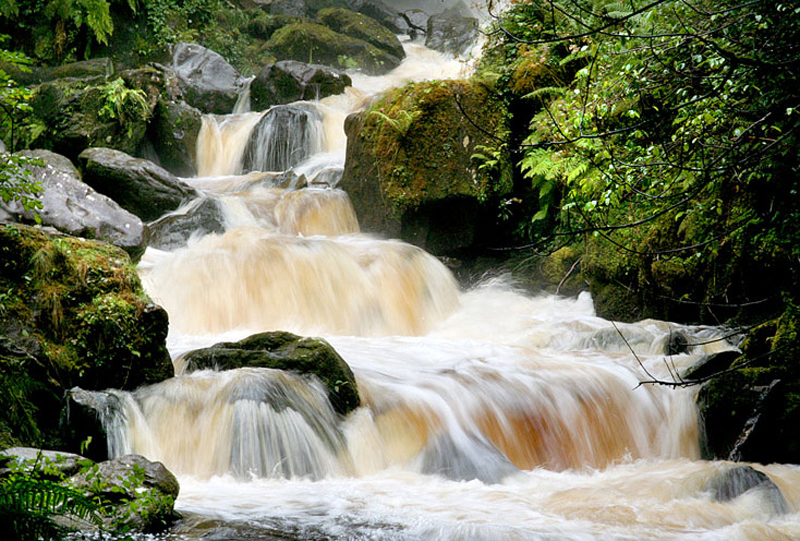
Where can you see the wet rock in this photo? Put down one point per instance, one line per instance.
(410, 171)
(738, 480)
(142, 492)
(173, 132)
(469, 458)
(137, 185)
(207, 80)
(362, 27)
(199, 217)
(677, 344)
(55, 464)
(452, 32)
(75, 208)
(417, 21)
(712, 364)
(74, 115)
(284, 351)
(288, 81)
(284, 137)
(319, 44)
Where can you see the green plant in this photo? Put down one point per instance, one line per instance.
(29, 504)
(123, 104)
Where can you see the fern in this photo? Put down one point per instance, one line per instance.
(28, 505)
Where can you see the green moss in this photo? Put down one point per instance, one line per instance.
(315, 43)
(74, 313)
(361, 27)
(423, 141)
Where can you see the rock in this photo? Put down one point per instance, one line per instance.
(200, 216)
(207, 80)
(74, 314)
(76, 114)
(409, 169)
(757, 402)
(284, 137)
(470, 458)
(417, 21)
(285, 7)
(738, 480)
(54, 464)
(173, 132)
(362, 27)
(284, 351)
(315, 43)
(144, 492)
(288, 81)
(92, 68)
(87, 413)
(380, 12)
(75, 208)
(137, 185)
(709, 365)
(451, 32)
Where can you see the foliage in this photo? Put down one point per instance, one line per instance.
(16, 182)
(123, 104)
(29, 502)
(668, 129)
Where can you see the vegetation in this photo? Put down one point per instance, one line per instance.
(664, 137)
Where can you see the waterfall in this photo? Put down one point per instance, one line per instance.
(485, 414)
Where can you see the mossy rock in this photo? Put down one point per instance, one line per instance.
(415, 150)
(72, 312)
(755, 409)
(361, 27)
(315, 43)
(75, 114)
(284, 351)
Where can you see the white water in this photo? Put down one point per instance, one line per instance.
(486, 414)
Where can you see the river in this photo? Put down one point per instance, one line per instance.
(487, 414)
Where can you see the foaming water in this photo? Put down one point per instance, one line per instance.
(487, 414)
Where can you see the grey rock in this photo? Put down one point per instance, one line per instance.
(287, 81)
(71, 206)
(207, 80)
(198, 217)
(137, 185)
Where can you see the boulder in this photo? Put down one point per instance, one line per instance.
(288, 81)
(141, 492)
(173, 132)
(92, 68)
(311, 42)
(362, 27)
(80, 113)
(73, 207)
(54, 464)
(283, 7)
(451, 32)
(410, 171)
(756, 402)
(417, 21)
(200, 216)
(207, 80)
(284, 137)
(283, 351)
(137, 185)
(74, 313)
(738, 480)
(385, 15)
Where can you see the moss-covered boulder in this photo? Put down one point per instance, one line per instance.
(422, 162)
(315, 43)
(752, 412)
(72, 114)
(362, 27)
(72, 312)
(283, 351)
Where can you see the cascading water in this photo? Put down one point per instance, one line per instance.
(485, 414)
